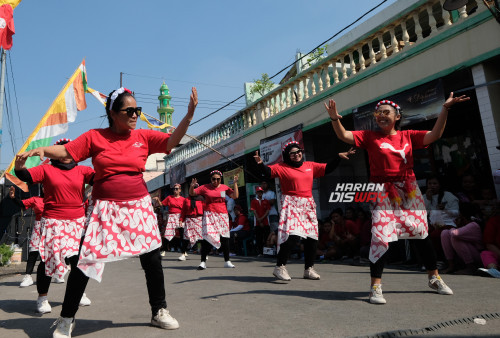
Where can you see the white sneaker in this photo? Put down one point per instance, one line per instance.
(27, 281)
(64, 327)
(228, 264)
(310, 273)
(162, 253)
(58, 280)
(437, 284)
(280, 272)
(164, 320)
(42, 305)
(85, 301)
(182, 258)
(185, 254)
(202, 266)
(376, 296)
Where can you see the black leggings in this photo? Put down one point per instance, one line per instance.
(150, 262)
(310, 246)
(206, 247)
(424, 248)
(184, 242)
(42, 281)
(30, 264)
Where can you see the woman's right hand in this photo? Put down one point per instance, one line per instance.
(257, 157)
(33, 152)
(194, 183)
(331, 108)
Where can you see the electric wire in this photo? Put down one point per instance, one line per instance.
(15, 95)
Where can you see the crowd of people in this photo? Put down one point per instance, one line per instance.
(460, 231)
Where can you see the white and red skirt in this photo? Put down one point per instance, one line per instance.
(401, 214)
(35, 236)
(297, 217)
(60, 239)
(214, 226)
(116, 231)
(192, 229)
(173, 222)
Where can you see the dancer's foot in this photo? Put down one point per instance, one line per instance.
(376, 296)
(228, 264)
(437, 284)
(64, 327)
(27, 281)
(85, 301)
(182, 257)
(202, 266)
(164, 320)
(310, 273)
(280, 272)
(42, 305)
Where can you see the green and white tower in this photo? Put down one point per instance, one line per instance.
(164, 109)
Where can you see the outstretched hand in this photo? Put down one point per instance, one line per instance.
(257, 157)
(194, 182)
(331, 108)
(33, 152)
(345, 155)
(452, 100)
(193, 101)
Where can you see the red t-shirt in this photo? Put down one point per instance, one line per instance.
(174, 204)
(297, 181)
(215, 198)
(491, 234)
(260, 207)
(64, 190)
(242, 220)
(36, 203)
(187, 211)
(352, 227)
(390, 155)
(118, 160)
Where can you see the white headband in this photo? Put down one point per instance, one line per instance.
(115, 94)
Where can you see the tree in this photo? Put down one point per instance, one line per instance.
(317, 54)
(262, 86)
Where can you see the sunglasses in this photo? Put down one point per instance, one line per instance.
(177, 188)
(293, 153)
(385, 112)
(215, 178)
(131, 111)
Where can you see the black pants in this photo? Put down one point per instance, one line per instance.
(150, 262)
(30, 264)
(424, 248)
(42, 281)
(261, 234)
(184, 242)
(310, 246)
(206, 247)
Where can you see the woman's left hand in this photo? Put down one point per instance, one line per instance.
(345, 155)
(235, 179)
(193, 101)
(452, 100)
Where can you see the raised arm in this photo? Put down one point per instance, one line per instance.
(342, 134)
(438, 129)
(53, 152)
(194, 184)
(236, 193)
(181, 129)
(265, 171)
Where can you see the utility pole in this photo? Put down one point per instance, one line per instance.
(121, 78)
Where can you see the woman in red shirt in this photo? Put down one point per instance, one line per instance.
(402, 214)
(174, 204)
(36, 203)
(63, 218)
(215, 224)
(298, 209)
(122, 223)
(192, 216)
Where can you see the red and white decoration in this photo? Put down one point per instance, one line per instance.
(35, 236)
(173, 222)
(60, 239)
(405, 217)
(214, 226)
(116, 231)
(297, 217)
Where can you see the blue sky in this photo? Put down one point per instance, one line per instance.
(215, 46)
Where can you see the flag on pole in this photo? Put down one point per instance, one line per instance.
(7, 22)
(63, 110)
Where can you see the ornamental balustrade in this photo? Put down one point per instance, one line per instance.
(411, 28)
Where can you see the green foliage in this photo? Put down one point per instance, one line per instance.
(262, 85)
(317, 54)
(6, 254)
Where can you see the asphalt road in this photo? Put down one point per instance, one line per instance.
(249, 302)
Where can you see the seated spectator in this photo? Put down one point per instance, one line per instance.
(442, 210)
(488, 204)
(260, 208)
(350, 214)
(464, 242)
(240, 229)
(469, 191)
(491, 238)
(346, 235)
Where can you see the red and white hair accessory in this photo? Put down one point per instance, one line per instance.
(115, 94)
(216, 172)
(391, 103)
(63, 141)
(288, 143)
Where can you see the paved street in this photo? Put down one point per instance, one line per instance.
(249, 302)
